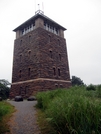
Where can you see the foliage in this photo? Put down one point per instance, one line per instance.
(91, 87)
(98, 91)
(76, 81)
(73, 111)
(44, 98)
(45, 127)
(5, 111)
(5, 82)
(4, 89)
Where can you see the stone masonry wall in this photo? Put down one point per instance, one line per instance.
(39, 54)
(27, 89)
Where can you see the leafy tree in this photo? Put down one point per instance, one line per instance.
(91, 87)
(4, 82)
(4, 89)
(76, 81)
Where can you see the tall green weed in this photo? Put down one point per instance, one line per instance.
(4, 109)
(5, 112)
(98, 91)
(73, 111)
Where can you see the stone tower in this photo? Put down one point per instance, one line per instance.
(40, 59)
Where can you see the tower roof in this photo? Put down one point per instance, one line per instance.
(38, 15)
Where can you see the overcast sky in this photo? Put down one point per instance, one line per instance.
(82, 18)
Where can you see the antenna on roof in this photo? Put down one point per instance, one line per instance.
(38, 6)
(42, 7)
(39, 11)
(35, 4)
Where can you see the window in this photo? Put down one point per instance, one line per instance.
(58, 42)
(23, 32)
(44, 25)
(29, 54)
(59, 72)
(34, 24)
(60, 57)
(26, 30)
(29, 71)
(20, 42)
(54, 71)
(29, 38)
(49, 38)
(20, 57)
(51, 54)
(50, 27)
(61, 86)
(26, 90)
(20, 74)
(56, 85)
(57, 31)
(20, 90)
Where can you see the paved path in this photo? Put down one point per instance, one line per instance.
(23, 120)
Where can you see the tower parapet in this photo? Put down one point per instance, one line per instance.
(39, 20)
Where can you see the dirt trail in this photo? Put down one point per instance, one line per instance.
(23, 120)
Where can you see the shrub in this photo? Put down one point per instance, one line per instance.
(91, 87)
(4, 91)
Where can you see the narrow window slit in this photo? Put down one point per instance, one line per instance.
(59, 72)
(54, 71)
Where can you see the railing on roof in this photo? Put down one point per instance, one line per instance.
(39, 12)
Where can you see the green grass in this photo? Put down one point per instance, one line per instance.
(72, 111)
(5, 112)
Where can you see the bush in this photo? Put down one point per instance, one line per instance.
(72, 111)
(76, 81)
(91, 87)
(4, 91)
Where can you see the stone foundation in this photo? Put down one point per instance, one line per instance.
(31, 87)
